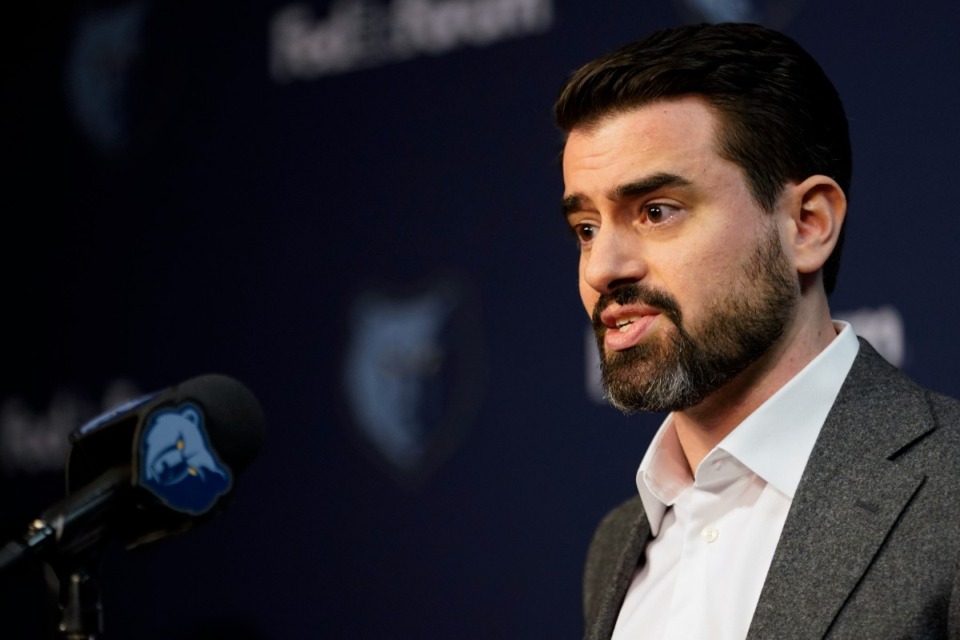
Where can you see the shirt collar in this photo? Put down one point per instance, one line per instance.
(774, 441)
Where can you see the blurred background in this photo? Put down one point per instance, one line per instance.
(353, 207)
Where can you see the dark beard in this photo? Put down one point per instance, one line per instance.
(680, 369)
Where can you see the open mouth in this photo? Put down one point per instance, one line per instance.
(628, 331)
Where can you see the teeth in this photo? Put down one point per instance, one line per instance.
(625, 323)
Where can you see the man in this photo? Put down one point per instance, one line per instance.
(801, 487)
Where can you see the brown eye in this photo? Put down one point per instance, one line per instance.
(584, 233)
(659, 213)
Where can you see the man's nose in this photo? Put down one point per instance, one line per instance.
(615, 259)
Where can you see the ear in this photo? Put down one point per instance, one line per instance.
(816, 212)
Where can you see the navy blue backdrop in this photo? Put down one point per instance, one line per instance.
(352, 207)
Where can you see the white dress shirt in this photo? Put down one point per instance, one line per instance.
(715, 533)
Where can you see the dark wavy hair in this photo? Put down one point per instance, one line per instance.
(781, 118)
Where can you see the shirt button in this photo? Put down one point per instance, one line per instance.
(710, 534)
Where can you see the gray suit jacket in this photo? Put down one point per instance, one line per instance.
(871, 545)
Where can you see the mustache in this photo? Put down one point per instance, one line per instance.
(637, 293)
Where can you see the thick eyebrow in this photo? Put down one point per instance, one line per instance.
(647, 185)
(571, 204)
(574, 202)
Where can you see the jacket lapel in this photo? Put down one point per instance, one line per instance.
(630, 543)
(849, 499)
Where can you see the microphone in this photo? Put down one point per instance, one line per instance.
(151, 468)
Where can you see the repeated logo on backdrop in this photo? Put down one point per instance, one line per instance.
(34, 441)
(100, 72)
(771, 13)
(359, 34)
(413, 372)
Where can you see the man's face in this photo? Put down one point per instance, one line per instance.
(681, 271)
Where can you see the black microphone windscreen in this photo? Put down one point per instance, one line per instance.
(235, 422)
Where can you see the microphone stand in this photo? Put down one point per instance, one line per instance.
(81, 610)
(71, 534)
(80, 597)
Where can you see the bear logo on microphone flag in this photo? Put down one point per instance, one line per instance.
(177, 463)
